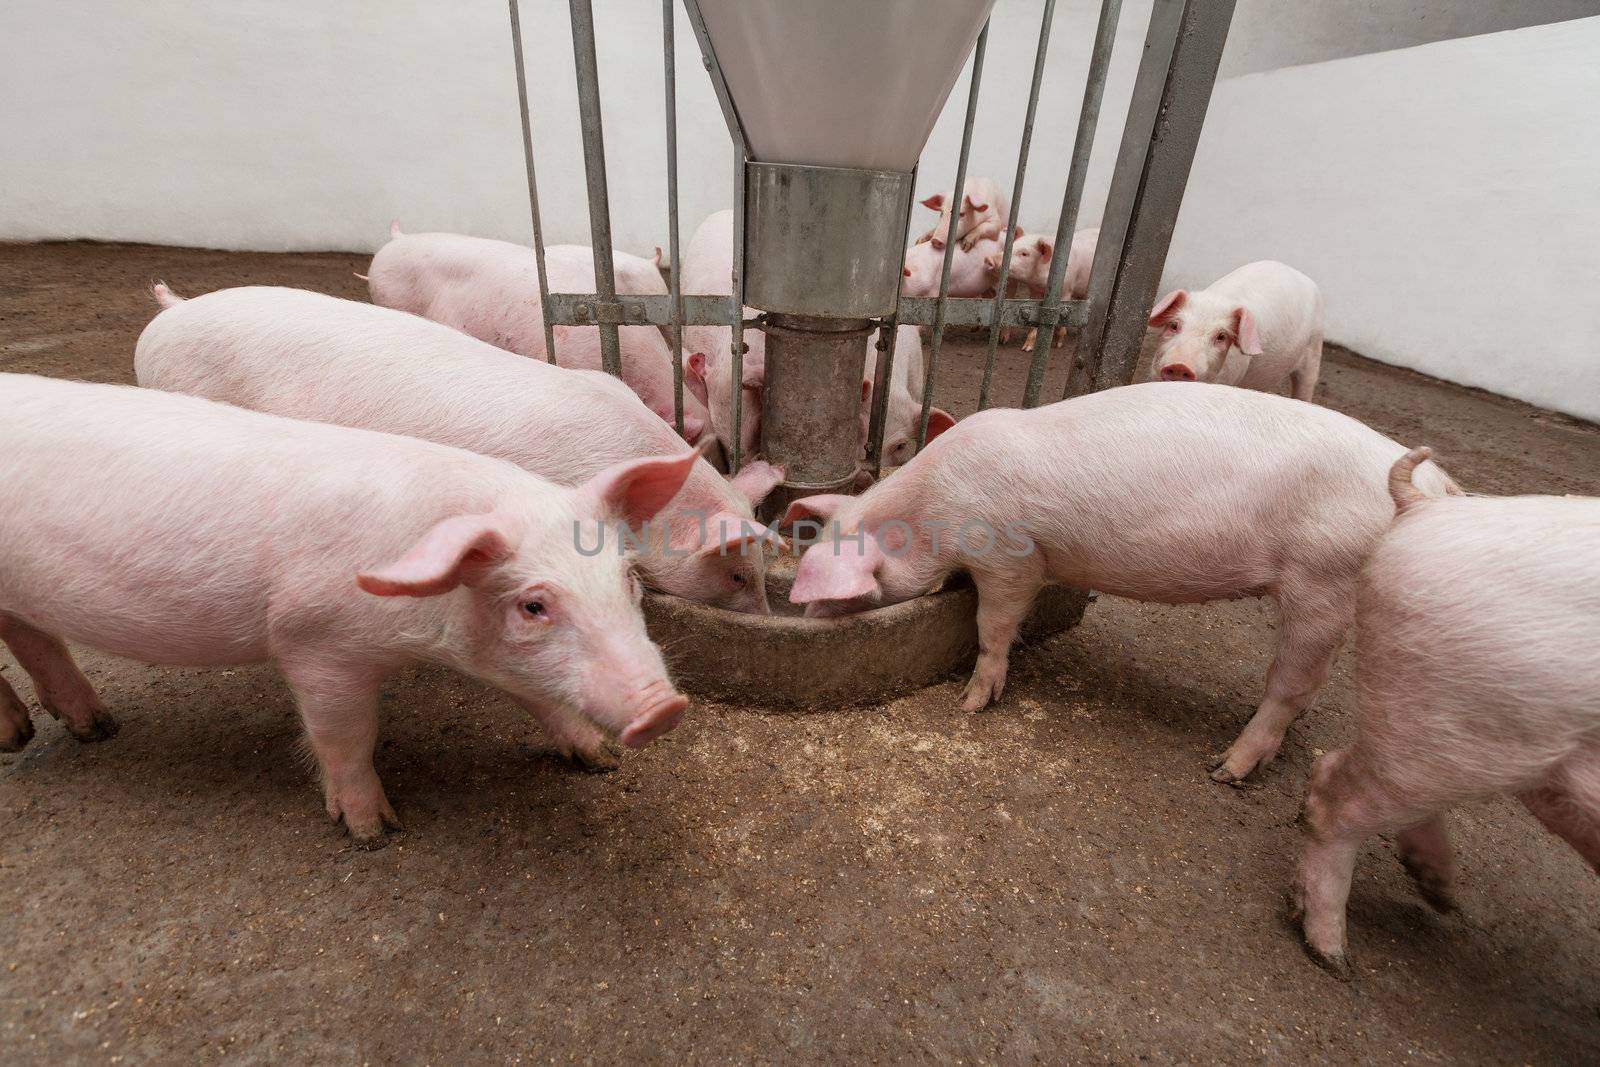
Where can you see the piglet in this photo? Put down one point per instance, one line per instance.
(309, 356)
(1257, 328)
(1165, 492)
(174, 530)
(1476, 675)
(708, 270)
(972, 273)
(490, 289)
(904, 411)
(983, 213)
(1033, 256)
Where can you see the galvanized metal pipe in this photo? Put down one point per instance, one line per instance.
(533, 186)
(936, 339)
(594, 170)
(810, 423)
(883, 375)
(1170, 95)
(670, 59)
(1016, 197)
(1072, 198)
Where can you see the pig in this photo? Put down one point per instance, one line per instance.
(1257, 328)
(972, 273)
(904, 411)
(309, 356)
(707, 267)
(1476, 633)
(175, 530)
(1031, 261)
(983, 214)
(1163, 491)
(490, 289)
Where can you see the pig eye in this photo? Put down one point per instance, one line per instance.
(534, 609)
(1172, 327)
(740, 579)
(1222, 337)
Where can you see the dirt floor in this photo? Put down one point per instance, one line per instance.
(1052, 880)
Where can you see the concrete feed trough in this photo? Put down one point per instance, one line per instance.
(785, 660)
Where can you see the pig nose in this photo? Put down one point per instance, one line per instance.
(1176, 372)
(658, 718)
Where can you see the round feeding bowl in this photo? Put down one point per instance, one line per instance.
(785, 660)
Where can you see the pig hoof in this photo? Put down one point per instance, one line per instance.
(1221, 773)
(1431, 886)
(102, 727)
(978, 695)
(596, 760)
(1335, 962)
(14, 736)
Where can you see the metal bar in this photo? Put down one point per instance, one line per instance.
(1168, 108)
(1016, 196)
(533, 186)
(884, 373)
(676, 288)
(1105, 38)
(736, 335)
(741, 154)
(936, 337)
(586, 309)
(594, 171)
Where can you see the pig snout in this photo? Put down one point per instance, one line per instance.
(658, 707)
(1177, 372)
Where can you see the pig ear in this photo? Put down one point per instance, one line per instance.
(939, 420)
(991, 264)
(936, 202)
(906, 271)
(819, 508)
(841, 570)
(1168, 304)
(1018, 232)
(696, 365)
(975, 207)
(1046, 249)
(727, 534)
(1244, 328)
(636, 490)
(755, 480)
(448, 555)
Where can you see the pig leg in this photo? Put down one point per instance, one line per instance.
(339, 709)
(60, 686)
(989, 227)
(1425, 852)
(1060, 337)
(1303, 379)
(1003, 602)
(16, 726)
(1031, 339)
(1569, 807)
(1312, 620)
(575, 738)
(1343, 807)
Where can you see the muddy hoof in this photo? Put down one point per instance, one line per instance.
(599, 760)
(14, 736)
(101, 728)
(1432, 888)
(1335, 963)
(1221, 773)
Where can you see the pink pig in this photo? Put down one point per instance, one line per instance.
(708, 270)
(904, 411)
(972, 273)
(1257, 328)
(305, 355)
(1166, 492)
(490, 289)
(170, 529)
(1032, 257)
(1476, 635)
(984, 211)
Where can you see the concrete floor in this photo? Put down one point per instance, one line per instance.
(1052, 880)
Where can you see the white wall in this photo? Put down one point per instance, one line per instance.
(1268, 34)
(1446, 198)
(1442, 195)
(299, 124)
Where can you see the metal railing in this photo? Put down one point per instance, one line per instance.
(1177, 69)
